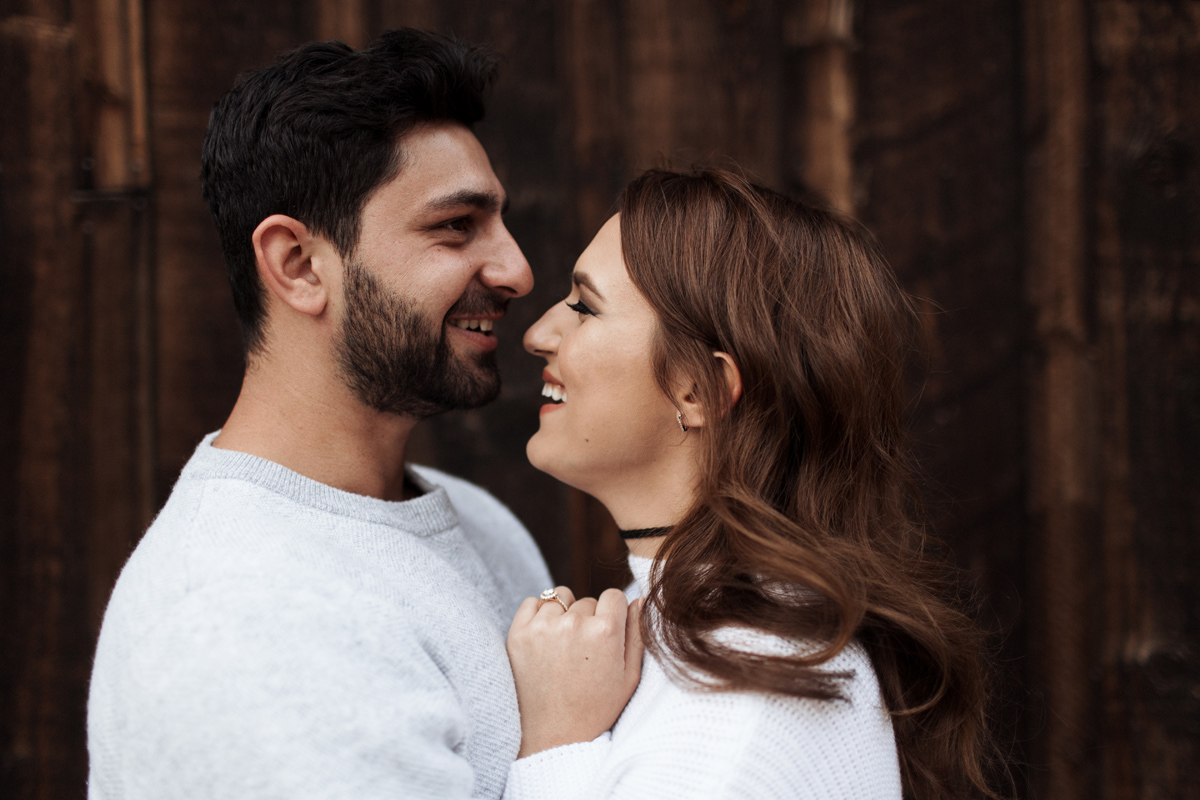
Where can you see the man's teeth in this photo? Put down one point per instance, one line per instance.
(483, 325)
(555, 392)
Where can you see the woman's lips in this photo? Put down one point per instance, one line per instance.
(553, 389)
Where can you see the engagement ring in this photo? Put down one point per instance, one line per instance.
(551, 594)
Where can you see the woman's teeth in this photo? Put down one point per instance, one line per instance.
(482, 325)
(555, 392)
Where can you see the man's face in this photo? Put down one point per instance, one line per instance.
(433, 272)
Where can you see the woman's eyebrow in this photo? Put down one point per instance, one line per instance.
(582, 279)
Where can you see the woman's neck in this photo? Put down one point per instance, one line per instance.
(644, 524)
(658, 497)
(645, 548)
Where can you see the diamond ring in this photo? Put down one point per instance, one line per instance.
(551, 594)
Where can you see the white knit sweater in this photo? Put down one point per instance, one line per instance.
(273, 637)
(673, 741)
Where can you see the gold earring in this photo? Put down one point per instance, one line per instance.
(679, 419)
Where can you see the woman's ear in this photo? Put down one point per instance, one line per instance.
(284, 250)
(693, 412)
(733, 376)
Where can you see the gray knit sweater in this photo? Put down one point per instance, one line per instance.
(274, 637)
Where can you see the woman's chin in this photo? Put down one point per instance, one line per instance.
(535, 451)
(543, 456)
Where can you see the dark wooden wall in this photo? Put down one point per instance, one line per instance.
(1032, 167)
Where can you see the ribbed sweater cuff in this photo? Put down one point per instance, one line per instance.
(561, 773)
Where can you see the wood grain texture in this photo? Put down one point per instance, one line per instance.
(1063, 474)
(75, 339)
(42, 688)
(818, 39)
(1146, 124)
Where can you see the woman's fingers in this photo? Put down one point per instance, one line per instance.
(525, 613)
(625, 616)
(633, 641)
(612, 603)
(584, 606)
(553, 607)
(574, 670)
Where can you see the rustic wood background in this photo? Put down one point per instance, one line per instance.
(1032, 168)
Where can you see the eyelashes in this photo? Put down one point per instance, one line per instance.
(580, 307)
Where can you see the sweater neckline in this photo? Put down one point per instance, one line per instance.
(427, 515)
(640, 567)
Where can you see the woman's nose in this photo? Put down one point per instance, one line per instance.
(543, 336)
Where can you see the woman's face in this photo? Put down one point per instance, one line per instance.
(607, 422)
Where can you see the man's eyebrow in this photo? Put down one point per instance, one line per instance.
(482, 201)
(581, 279)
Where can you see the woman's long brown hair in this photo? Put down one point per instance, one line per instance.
(805, 480)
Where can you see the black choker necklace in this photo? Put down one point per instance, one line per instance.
(644, 533)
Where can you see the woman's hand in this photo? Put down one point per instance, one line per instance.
(576, 669)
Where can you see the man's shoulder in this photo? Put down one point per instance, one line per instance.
(209, 515)
(499, 537)
(225, 532)
(473, 504)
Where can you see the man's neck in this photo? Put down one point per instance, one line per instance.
(321, 432)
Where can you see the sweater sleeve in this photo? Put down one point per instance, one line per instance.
(686, 744)
(269, 692)
(558, 773)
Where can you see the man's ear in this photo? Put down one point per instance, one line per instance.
(691, 408)
(285, 250)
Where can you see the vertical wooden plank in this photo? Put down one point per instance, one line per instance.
(120, 495)
(83, 494)
(17, 243)
(343, 20)
(703, 85)
(1147, 201)
(821, 123)
(591, 54)
(1062, 415)
(1062, 425)
(651, 41)
(424, 14)
(115, 261)
(111, 53)
(1122, 618)
(748, 61)
(42, 634)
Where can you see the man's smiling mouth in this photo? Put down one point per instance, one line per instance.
(481, 325)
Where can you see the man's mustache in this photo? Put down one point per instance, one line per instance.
(478, 303)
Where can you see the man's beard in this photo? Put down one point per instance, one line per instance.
(398, 362)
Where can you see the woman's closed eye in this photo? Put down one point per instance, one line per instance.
(580, 307)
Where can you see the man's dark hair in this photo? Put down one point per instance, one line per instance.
(313, 135)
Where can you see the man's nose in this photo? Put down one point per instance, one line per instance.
(507, 270)
(543, 336)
